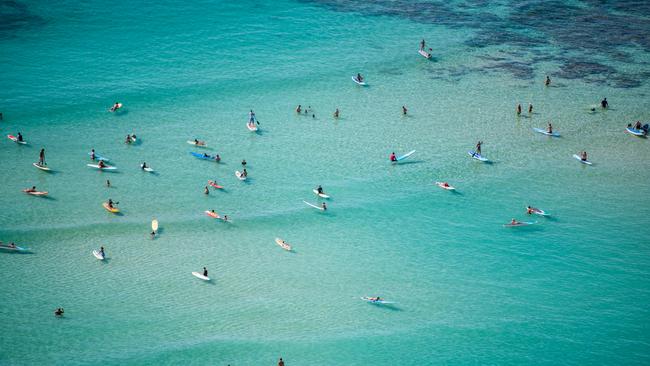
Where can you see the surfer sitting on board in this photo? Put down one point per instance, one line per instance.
(101, 251)
(20, 137)
(393, 157)
(550, 128)
(319, 189)
(583, 156)
(359, 78)
(110, 203)
(115, 106)
(324, 206)
(514, 222)
(205, 272)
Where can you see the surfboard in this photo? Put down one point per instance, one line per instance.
(41, 167)
(100, 168)
(214, 184)
(113, 108)
(587, 162)
(424, 54)
(15, 139)
(111, 210)
(147, 169)
(635, 132)
(402, 157)
(154, 225)
(477, 156)
(314, 206)
(284, 245)
(214, 215)
(372, 301)
(98, 255)
(200, 144)
(544, 132)
(239, 176)
(362, 83)
(36, 193)
(442, 185)
(521, 223)
(201, 276)
(321, 195)
(251, 126)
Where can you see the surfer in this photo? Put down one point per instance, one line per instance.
(336, 113)
(205, 272)
(518, 109)
(530, 108)
(251, 117)
(324, 206)
(514, 222)
(280, 362)
(115, 106)
(110, 203)
(144, 165)
(101, 164)
(298, 109)
(393, 157)
(58, 312)
(153, 234)
(478, 147)
(529, 210)
(637, 126)
(583, 156)
(445, 184)
(92, 154)
(319, 189)
(217, 158)
(604, 103)
(20, 137)
(33, 189)
(225, 217)
(128, 139)
(101, 251)
(244, 173)
(422, 45)
(41, 157)
(547, 82)
(359, 78)
(404, 110)
(550, 128)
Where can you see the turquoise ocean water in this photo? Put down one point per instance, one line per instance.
(572, 289)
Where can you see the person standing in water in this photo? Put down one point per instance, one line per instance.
(324, 206)
(58, 312)
(422, 45)
(547, 82)
(530, 108)
(41, 157)
(604, 103)
(518, 108)
(336, 113)
(404, 110)
(243, 162)
(392, 157)
(298, 109)
(206, 190)
(108, 183)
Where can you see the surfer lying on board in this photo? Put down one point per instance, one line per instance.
(58, 312)
(377, 298)
(33, 189)
(393, 157)
(514, 222)
(115, 106)
(101, 164)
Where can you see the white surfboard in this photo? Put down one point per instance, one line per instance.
(98, 255)
(314, 206)
(239, 176)
(321, 195)
(154, 225)
(362, 83)
(201, 276)
(582, 161)
(283, 244)
(100, 168)
(147, 169)
(424, 54)
(41, 167)
(200, 144)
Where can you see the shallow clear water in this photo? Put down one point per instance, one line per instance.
(572, 289)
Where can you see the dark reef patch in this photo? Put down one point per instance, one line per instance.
(594, 29)
(15, 16)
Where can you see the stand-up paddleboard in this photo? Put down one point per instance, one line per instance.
(521, 223)
(41, 167)
(537, 211)
(201, 276)
(545, 132)
(154, 225)
(239, 176)
(582, 161)
(12, 249)
(111, 210)
(214, 184)
(283, 244)
(635, 132)
(100, 168)
(203, 156)
(321, 195)
(114, 108)
(98, 255)
(425, 54)
(200, 144)
(251, 126)
(443, 186)
(477, 156)
(314, 206)
(147, 169)
(99, 157)
(402, 157)
(35, 193)
(375, 301)
(362, 83)
(214, 215)
(15, 139)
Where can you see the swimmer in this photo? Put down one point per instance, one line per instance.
(336, 113)
(404, 110)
